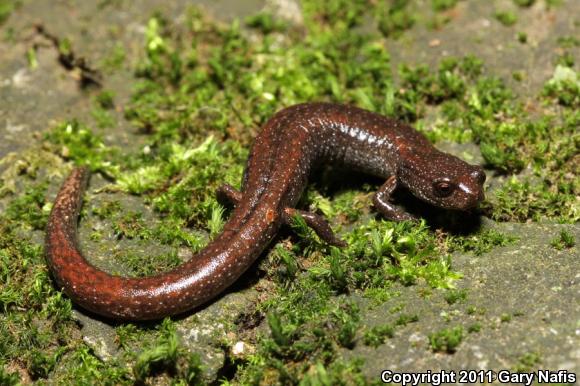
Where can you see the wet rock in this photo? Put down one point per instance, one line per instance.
(524, 297)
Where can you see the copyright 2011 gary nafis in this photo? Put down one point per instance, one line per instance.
(436, 378)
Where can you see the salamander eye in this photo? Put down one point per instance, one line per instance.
(443, 188)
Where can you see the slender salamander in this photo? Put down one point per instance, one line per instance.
(289, 145)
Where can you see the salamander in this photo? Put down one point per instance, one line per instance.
(289, 145)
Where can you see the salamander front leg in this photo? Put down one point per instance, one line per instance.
(382, 203)
(318, 224)
(228, 193)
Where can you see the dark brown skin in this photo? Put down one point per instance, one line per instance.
(290, 144)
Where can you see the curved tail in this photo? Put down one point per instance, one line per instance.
(189, 285)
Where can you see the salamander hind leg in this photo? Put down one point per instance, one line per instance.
(228, 193)
(382, 203)
(318, 224)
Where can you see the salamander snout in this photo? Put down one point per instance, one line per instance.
(470, 188)
(478, 174)
(478, 178)
(460, 188)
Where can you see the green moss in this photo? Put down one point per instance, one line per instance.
(127, 334)
(505, 318)
(564, 86)
(145, 358)
(405, 319)
(348, 326)
(454, 296)
(564, 240)
(141, 266)
(31, 58)
(401, 252)
(568, 41)
(474, 328)
(266, 23)
(553, 3)
(524, 3)
(446, 340)
(167, 355)
(115, 59)
(338, 14)
(307, 322)
(36, 324)
(8, 378)
(376, 336)
(30, 208)
(442, 5)
(7, 7)
(107, 209)
(105, 100)
(75, 141)
(306, 314)
(518, 76)
(480, 243)
(521, 200)
(103, 118)
(131, 225)
(566, 59)
(349, 205)
(339, 373)
(506, 18)
(299, 333)
(85, 368)
(395, 17)
(528, 362)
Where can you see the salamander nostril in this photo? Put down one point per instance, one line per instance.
(478, 175)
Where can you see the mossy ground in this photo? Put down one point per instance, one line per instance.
(181, 98)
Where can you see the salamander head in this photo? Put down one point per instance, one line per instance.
(443, 180)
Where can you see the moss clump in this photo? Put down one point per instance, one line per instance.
(442, 5)
(474, 328)
(405, 319)
(6, 8)
(167, 355)
(36, 326)
(454, 296)
(481, 243)
(522, 199)
(506, 18)
(308, 322)
(375, 336)
(77, 142)
(266, 23)
(528, 362)
(30, 208)
(564, 240)
(524, 3)
(564, 86)
(395, 17)
(446, 340)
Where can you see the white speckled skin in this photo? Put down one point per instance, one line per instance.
(278, 167)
